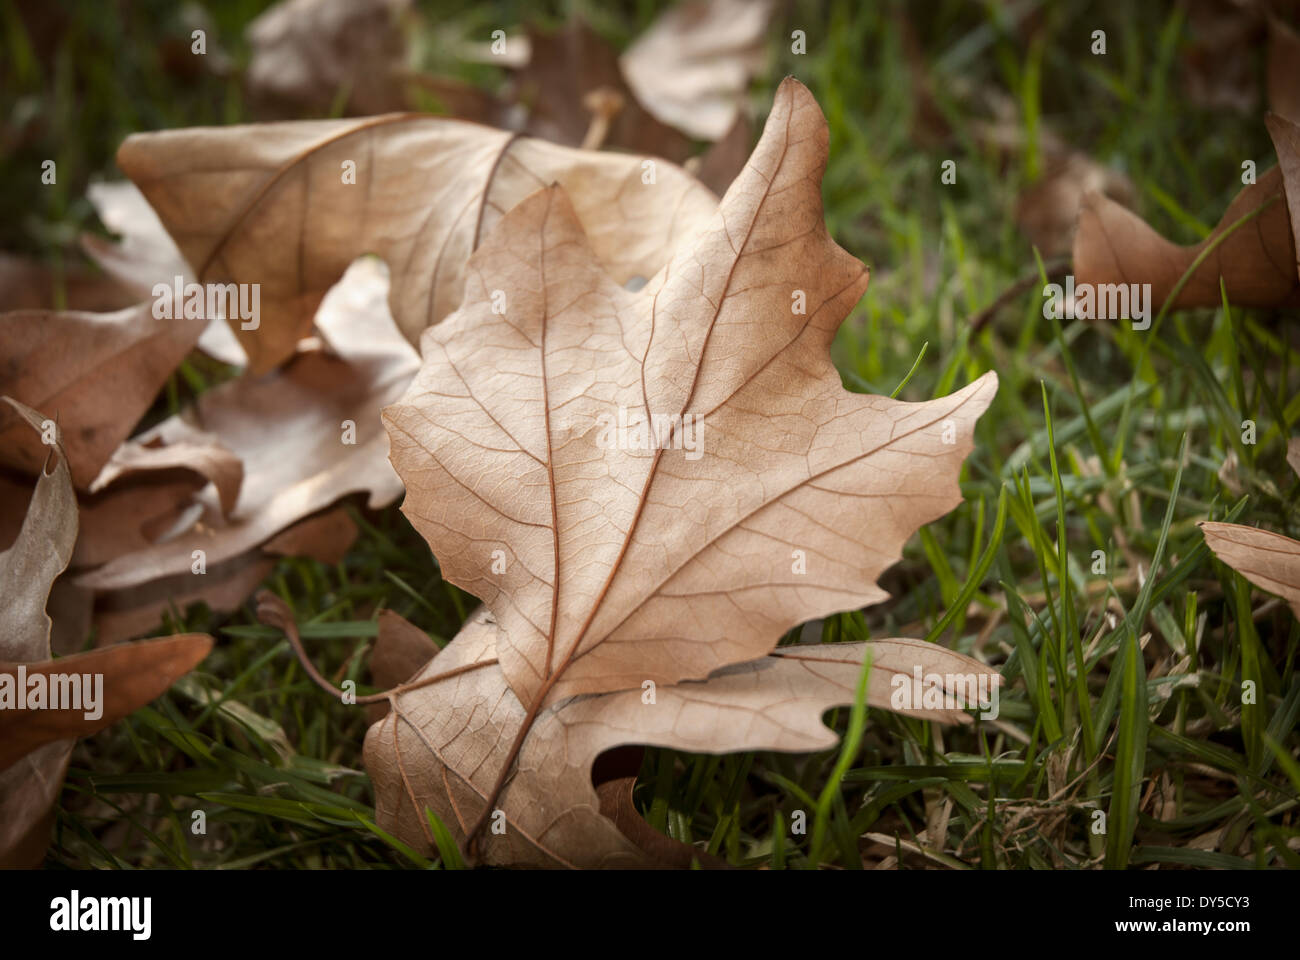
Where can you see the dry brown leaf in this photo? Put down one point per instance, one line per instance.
(133, 674)
(326, 537)
(1257, 261)
(268, 204)
(96, 392)
(610, 565)
(27, 284)
(400, 650)
(691, 68)
(290, 432)
(1268, 560)
(1293, 454)
(35, 743)
(1048, 210)
(306, 53)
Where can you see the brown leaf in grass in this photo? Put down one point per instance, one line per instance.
(677, 562)
(1293, 454)
(290, 431)
(1113, 245)
(97, 392)
(308, 53)
(1048, 211)
(693, 65)
(1268, 560)
(269, 204)
(35, 743)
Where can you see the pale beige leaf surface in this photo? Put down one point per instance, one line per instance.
(268, 204)
(443, 745)
(97, 392)
(626, 565)
(287, 430)
(691, 68)
(1268, 560)
(1293, 454)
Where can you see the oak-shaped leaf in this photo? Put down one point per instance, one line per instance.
(646, 488)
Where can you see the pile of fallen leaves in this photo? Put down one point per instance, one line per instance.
(473, 303)
(452, 312)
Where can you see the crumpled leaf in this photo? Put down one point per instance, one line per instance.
(691, 68)
(604, 565)
(1257, 261)
(35, 744)
(267, 203)
(97, 392)
(289, 431)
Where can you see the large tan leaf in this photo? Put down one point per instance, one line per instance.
(97, 391)
(268, 204)
(1257, 261)
(1268, 560)
(626, 565)
(35, 743)
(428, 753)
(607, 566)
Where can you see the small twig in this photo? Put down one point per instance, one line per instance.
(274, 612)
